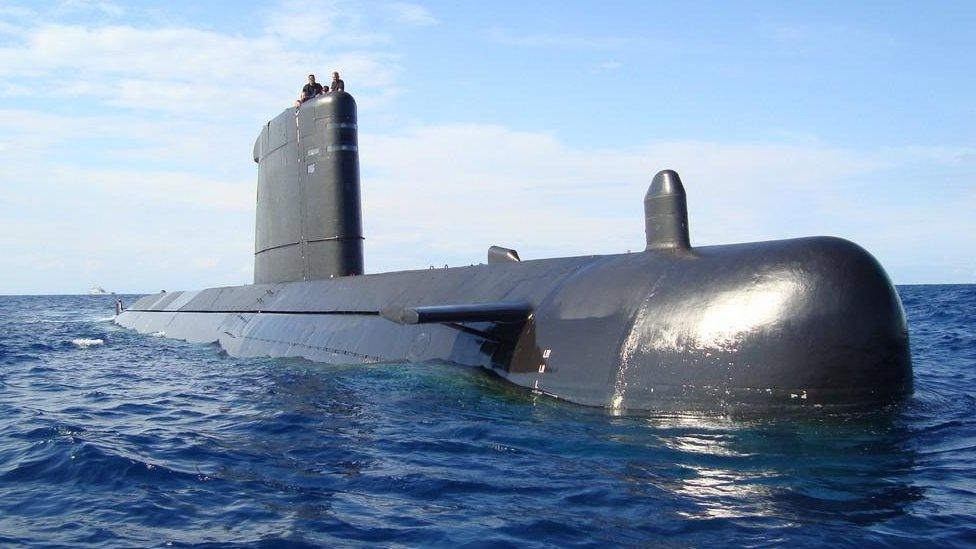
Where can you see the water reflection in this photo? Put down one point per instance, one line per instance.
(844, 469)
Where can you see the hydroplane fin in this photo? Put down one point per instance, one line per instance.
(498, 311)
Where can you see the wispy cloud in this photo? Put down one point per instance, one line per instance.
(508, 37)
(573, 200)
(792, 37)
(607, 66)
(102, 7)
(16, 11)
(183, 68)
(323, 24)
(411, 14)
(470, 186)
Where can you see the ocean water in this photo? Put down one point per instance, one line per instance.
(113, 439)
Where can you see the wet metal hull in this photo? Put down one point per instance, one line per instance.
(807, 322)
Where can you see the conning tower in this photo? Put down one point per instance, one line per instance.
(309, 217)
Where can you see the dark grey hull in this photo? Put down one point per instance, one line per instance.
(806, 322)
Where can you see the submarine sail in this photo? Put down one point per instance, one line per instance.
(309, 218)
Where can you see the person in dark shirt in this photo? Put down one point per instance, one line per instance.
(337, 83)
(311, 89)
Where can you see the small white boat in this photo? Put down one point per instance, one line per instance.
(97, 290)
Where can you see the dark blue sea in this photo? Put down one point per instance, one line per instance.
(113, 439)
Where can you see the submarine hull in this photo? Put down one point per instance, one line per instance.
(804, 322)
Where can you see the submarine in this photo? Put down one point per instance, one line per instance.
(804, 322)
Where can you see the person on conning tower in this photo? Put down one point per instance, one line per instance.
(337, 83)
(310, 90)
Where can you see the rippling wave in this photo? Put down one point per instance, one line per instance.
(145, 441)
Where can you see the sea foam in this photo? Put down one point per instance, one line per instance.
(84, 343)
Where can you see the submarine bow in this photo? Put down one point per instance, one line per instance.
(802, 322)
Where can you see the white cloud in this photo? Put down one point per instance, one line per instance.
(105, 8)
(443, 194)
(183, 69)
(507, 37)
(206, 263)
(136, 188)
(807, 38)
(8, 28)
(411, 14)
(439, 194)
(16, 12)
(323, 24)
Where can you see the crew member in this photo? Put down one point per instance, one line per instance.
(337, 83)
(311, 89)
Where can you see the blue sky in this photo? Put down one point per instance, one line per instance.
(126, 129)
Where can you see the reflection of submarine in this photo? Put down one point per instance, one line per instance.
(805, 321)
(857, 468)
